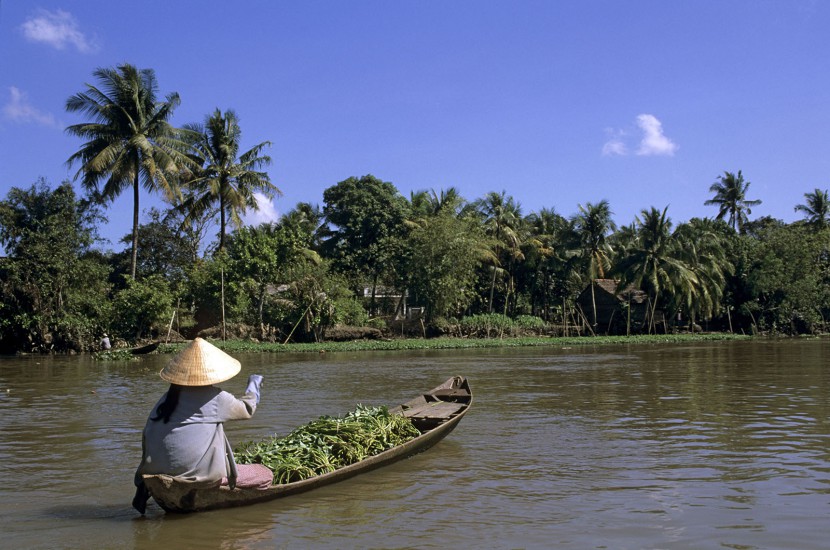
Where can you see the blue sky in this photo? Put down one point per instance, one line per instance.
(642, 103)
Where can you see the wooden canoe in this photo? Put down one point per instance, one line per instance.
(435, 413)
(141, 350)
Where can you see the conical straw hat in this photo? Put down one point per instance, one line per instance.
(200, 364)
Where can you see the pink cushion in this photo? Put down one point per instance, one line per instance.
(252, 476)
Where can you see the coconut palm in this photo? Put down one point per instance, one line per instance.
(427, 204)
(544, 253)
(501, 217)
(730, 198)
(703, 245)
(130, 142)
(308, 219)
(652, 262)
(225, 177)
(447, 201)
(592, 225)
(543, 229)
(420, 210)
(419, 204)
(817, 208)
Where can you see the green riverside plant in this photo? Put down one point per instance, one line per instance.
(328, 443)
(406, 344)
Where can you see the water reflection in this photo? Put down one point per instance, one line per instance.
(682, 446)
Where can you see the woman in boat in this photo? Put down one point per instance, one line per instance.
(184, 435)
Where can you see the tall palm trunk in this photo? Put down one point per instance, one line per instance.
(564, 317)
(493, 281)
(134, 259)
(260, 311)
(492, 290)
(222, 222)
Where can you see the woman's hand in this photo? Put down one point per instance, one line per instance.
(254, 383)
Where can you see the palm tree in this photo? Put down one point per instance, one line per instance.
(427, 204)
(225, 176)
(308, 220)
(544, 253)
(547, 226)
(652, 261)
(730, 197)
(816, 209)
(501, 216)
(129, 140)
(419, 203)
(703, 245)
(593, 224)
(448, 201)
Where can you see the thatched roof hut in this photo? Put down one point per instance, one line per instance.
(617, 310)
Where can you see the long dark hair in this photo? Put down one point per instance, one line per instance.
(167, 406)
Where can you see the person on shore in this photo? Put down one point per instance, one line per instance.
(105, 342)
(184, 435)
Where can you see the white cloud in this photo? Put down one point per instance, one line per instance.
(615, 144)
(267, 212)
(19, 110)
(654, 142)
(58, 29)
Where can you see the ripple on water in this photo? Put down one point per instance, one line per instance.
(632, 447)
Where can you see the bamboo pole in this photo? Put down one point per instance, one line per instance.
(224, 330)
(170, 327)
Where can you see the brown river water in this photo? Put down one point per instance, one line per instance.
(710, 445)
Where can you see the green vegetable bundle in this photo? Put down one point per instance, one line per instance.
(328, 443)
(114, 355)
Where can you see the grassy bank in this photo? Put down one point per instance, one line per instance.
(244, 346)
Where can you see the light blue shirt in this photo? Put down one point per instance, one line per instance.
(192, 444)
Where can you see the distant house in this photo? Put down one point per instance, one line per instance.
(390, 301)
(617, 312)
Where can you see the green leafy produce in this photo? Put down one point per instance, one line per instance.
(115, 355)
(328, 443)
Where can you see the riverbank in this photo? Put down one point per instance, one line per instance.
(408, 344)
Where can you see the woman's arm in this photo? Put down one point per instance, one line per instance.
(233, 408)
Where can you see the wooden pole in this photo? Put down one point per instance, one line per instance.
(224, 330)
(170, 328)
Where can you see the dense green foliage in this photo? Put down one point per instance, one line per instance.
(61, 293)
(366, 217)
(51, 283)
(141, 305)
(433, 264)
(440, 258)
(789, 279)
(328, 443)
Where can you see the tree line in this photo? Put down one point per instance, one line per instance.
(368, 252)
